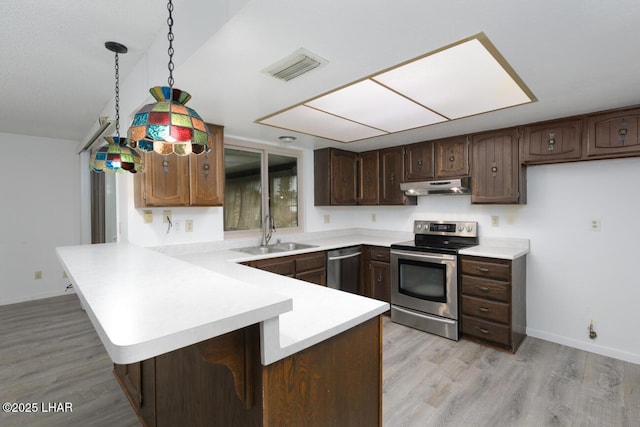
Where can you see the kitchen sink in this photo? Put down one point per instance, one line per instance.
(278, 247)
(292, 246)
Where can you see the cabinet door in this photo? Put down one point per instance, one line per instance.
(614, 134)
(130, 378)
(391, 175)
(495, 169)
(380, 280)
(164, 181)
(343, 177)
(552, 142)
(418, 161)
(369, 175)
(319, 277)
(452, 157)
(207, 172)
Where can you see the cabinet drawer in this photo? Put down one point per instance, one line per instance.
(312, 261)
(487, 267)
(489, 310)
(486, 288)
(379, 254)
(283, 266)
(486, 330)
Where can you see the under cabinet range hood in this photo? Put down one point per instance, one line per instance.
(445, 186)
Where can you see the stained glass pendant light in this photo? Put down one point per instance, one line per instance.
(116, 156)
(168, 126)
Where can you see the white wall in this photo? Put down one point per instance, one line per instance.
(40, 210)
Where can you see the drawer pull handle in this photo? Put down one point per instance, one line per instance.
(483, 330)
(483, 269)
(483, 288)
(483, 309)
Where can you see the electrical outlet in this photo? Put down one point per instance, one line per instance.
(37, 275)
(373, 217)
(166, 216)
(595, 224)
(64, 275)
(148, 217)
(495, 221)
(327, 219)
(188, 225)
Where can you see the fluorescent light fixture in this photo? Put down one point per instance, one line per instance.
(466, 78)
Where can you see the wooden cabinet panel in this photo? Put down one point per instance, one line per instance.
(614, 134)
(376, 278)
(164, 181)
(452, 157)
(284, 266)
(489, 331)
(368, 176)
(391, 175)
(319, 277)
(172, 180)
(418, 161)
(486, 309)
(552, 141)
(486, 288)
(335, 177)
(493, 300)
(497, 176)
(207, 172)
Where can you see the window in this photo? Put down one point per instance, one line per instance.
(248, 200)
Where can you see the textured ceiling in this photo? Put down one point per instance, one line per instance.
(575, 55)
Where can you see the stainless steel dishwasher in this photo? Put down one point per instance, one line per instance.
(343, 269)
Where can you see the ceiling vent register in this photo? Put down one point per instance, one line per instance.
(298, 63)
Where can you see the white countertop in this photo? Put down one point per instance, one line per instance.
(499, 248)
(144, 303)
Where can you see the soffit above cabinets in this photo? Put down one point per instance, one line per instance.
(466, 78)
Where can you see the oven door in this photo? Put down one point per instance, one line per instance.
(425, 282)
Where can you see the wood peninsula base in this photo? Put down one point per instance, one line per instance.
(221, 382)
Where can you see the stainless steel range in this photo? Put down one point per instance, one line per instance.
(424, 276)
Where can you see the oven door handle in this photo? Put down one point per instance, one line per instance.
(423, 255)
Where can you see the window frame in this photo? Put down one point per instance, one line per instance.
(265, 150)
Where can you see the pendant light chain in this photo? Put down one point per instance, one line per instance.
(170, 50)
(117, 97)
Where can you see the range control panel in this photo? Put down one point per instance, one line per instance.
(446, 228)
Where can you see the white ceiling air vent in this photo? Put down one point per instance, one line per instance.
(299, 62)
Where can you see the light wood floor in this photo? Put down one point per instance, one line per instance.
(49, 352)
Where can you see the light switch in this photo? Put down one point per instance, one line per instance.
(148, 217)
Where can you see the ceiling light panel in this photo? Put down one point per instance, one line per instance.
(460, 81)
(314, 122)
(371, 104)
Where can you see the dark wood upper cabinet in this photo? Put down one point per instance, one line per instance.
(369, 175)
(391, 175)
(444, 158)
(613, 134)
(335, 177)
(557, 141)
(495, 168)
(193, 180)
(418, 161)
(207, 172)
(452, 157)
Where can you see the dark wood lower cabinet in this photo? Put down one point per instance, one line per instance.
(221, 382)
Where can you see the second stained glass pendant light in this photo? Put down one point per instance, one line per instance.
(168, 126)
(116, 156)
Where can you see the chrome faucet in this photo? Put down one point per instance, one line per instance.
(268, 227)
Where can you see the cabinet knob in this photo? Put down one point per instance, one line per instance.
(165, 164)
(551, 141)
(622, 132)
(419, 163)
(483, 330)
(206, 168)
(483, 309)
(379, 277)
(452, 158)
(392, 178)
(482, 269)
